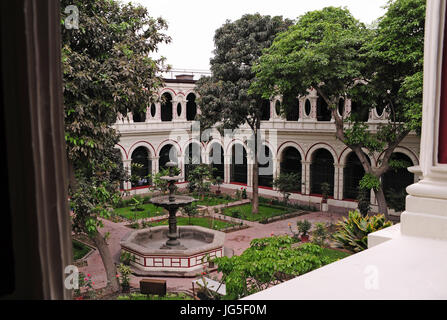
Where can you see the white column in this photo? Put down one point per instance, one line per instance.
(426, 214)
(128, 168)
(227, 169)
(338, 181)
(305, 167)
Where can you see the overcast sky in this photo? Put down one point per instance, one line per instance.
(192, 23)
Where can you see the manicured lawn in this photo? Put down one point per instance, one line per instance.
(265, 211)
(150, 210)
(335, 254)
(209, 200)
(198, 221)
(79, 250)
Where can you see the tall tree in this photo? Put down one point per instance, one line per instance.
(107, 71)
(331, 51)
(224, 97)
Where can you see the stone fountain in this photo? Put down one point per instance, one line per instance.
(172, 250)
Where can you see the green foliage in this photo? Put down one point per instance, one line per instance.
(330, 51)
(303, 227)
(320, 234)
(191, 211)
(265, 262)
(369, 182)
(107, 72)
(325, 190)
(322, 46)
(286, 183)
(352, 233)
(200, 178)
(159, 184)
(125, 272)
(126, 258)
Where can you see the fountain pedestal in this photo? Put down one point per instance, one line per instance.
(172, 251)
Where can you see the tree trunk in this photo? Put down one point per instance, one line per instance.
(381, 201)
(255, 198)
(107, 259)
(255, 176)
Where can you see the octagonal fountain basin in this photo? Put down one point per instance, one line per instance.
(151, 260)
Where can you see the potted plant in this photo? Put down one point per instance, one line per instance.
(303, 228)
(325, 189)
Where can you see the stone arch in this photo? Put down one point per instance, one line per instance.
(144, 144)
(266, 166)
(321, 145)
(215, 159)
(124, 154)
(167, 106)
(141, 166)
(239, 163)
(409, 153)
(191, 107)
(353, 172)
(192, 156)
(322, 170)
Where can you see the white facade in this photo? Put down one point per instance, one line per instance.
(307, 135)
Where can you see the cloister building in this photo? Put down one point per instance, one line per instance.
(302, 142)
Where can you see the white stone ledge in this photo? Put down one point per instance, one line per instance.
(401, 268)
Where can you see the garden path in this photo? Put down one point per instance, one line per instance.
(238, 241)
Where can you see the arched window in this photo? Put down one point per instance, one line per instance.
(191, 107)
(192, 158)
(153, 110)
(265, 110)
(353, 172)
(323, 112)
(238, 171)
(278, 107)
(291, 163)
(140, 167)
(321, 171)
(167, 153)
(166, 107)
(307, 108)
(265, 159)
(217, 160)
(396, 180)
(179, 109)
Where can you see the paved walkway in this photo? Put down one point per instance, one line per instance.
(238, 241)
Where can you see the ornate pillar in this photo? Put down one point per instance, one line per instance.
(426, 214)
(128, 168)
(305, 177)
(338, 181)
(227, 169)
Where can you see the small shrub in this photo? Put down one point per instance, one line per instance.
(320, 234)
(303, 227)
